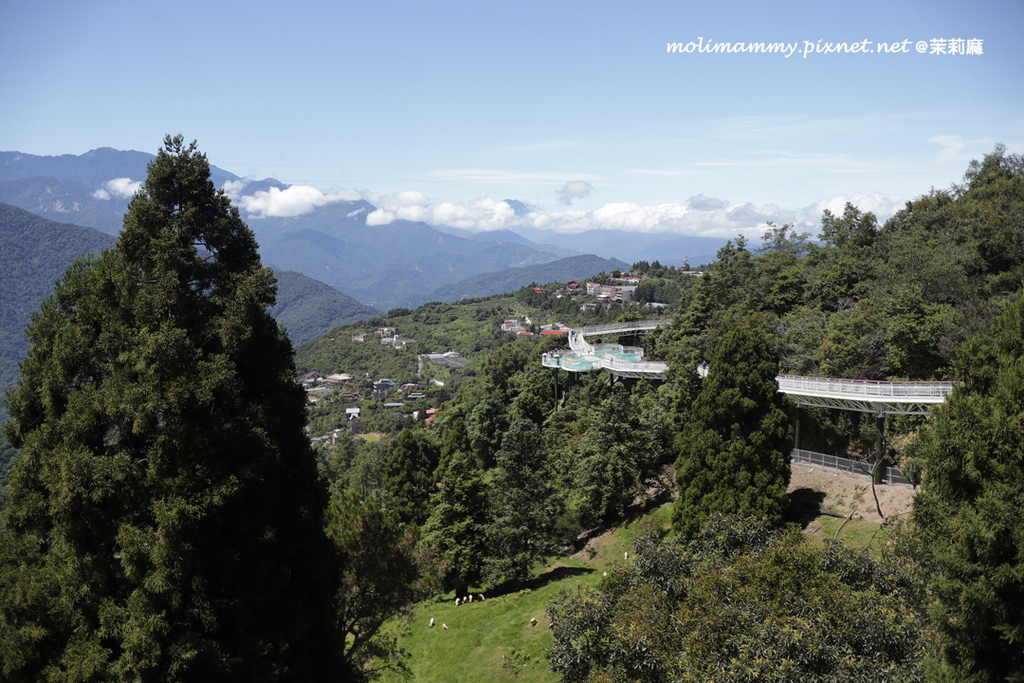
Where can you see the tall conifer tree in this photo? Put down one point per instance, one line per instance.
(734, 449)
(165, 521)
(970, 511)
(519, 533)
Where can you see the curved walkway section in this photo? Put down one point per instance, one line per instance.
(897, 398)
(622, 361)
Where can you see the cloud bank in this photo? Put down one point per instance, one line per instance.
(295, 200)
(699, 215)
(482, 214)
(122, 188)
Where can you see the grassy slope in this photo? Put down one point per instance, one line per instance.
(481, 633)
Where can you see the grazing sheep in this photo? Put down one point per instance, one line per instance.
(626, 554)
(471, 598)
(533, 621)
(456, 602)
(444, 626)
(431, 622)
(481, 596)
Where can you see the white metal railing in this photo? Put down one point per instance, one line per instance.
(576, 362)
(890, 475)
(922, 392)
(633, 326)
(644, 366)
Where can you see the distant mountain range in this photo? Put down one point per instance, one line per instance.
(402, 263)
(667, 248)
(562, 270)
(382, 265)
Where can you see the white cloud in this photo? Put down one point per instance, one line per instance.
(877, 203)
(482, 214)
(574, 189)
(291, 201)
(705, 216)
(699, 202)
(124, 188)
(699, 215)
(233, 188)
(714, 218)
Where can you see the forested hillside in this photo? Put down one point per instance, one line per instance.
(859, 300)
(457, 464)
(511, 279)
(307, 308)
(34, 252)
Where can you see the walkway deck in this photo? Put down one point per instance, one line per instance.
(622, 361)
(894, 398)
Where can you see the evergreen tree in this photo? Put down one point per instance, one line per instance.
(458, 515)
(456, 438)
(734, 448)
(165, 519)
(970, 510)
(377, 582)
(409, 475)
(518, 532)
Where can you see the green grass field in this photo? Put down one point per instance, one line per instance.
(493, 639)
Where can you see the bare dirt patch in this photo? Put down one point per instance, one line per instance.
(844, 494)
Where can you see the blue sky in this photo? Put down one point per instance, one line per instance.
(439, 111)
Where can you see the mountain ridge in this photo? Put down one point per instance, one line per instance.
(378, 265)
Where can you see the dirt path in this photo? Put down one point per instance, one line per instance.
(844, 494)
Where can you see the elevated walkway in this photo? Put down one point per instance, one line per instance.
(881, 398)
(866, 396)
(622, 361)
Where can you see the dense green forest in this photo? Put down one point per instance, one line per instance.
(521, 463)
(36, 252)
(306, 307)
(860, 300)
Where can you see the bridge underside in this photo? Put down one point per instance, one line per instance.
(877, 407)
(866, 396)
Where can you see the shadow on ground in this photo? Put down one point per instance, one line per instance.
(805, 506)
(641, 507)
(550, 576)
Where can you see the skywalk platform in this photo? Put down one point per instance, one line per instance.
(881, 398)
(619, 360)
